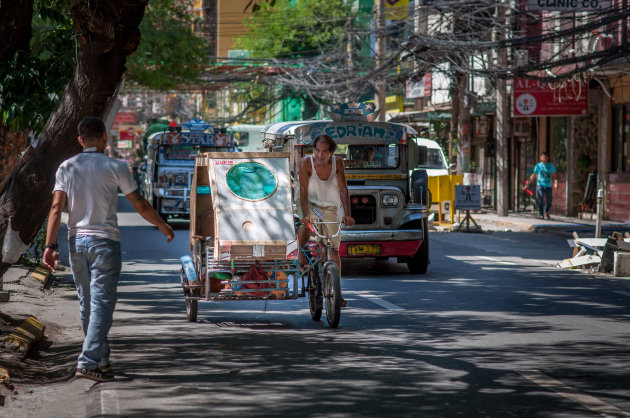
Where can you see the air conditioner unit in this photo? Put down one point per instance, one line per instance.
(481, 127)
(521, 57)
(522, 126)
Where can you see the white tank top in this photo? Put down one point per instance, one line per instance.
(324, 193)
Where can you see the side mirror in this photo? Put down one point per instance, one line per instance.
(452, 168)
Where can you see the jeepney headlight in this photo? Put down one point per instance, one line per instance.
(389, 200)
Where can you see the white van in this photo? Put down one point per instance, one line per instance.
(247, 137)
(435, 166)
(436, 163)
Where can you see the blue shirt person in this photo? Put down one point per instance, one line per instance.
(544, 173)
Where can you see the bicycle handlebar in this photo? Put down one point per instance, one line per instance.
(316, 232)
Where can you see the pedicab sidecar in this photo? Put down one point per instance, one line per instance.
(242, 232)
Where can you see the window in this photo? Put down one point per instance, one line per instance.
(366, 156)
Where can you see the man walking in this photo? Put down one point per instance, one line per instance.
(323, 186)
(544, 172)
(88, 183)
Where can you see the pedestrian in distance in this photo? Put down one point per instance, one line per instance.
(88, 184)
(323, 185)
(544, 173)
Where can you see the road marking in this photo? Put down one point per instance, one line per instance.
(496, 260)
(379, 301)
(109, 402)
(590, 402)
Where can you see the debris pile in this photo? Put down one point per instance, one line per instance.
(610, 254)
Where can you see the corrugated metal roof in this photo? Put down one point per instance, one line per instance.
(289, 128)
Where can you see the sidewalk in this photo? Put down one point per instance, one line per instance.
(529, 222)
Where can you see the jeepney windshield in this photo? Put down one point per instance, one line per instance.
(380, 156)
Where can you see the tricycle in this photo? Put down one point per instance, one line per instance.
(243, 238)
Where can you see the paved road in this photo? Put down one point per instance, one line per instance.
(493, 329)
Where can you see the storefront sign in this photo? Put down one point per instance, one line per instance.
(129, 132)
(567, 5)
(537, 98)
(124, 118)
(418, 89)
(396, 9)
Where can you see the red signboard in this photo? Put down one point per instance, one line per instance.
(124, 118)
(129, 132)
(537, 98)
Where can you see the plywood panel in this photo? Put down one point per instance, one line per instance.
(251, 199)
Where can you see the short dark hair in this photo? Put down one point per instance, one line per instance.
(91, 128)
(332, 145)
(545, 153)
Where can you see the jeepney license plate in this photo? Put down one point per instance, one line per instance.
(364, 249)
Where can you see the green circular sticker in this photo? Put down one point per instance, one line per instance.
(251, 181)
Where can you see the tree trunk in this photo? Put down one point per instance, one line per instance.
(107, 33)
(15, 31)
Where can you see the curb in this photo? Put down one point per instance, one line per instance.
(41, 273)
(30, 331)
(5, 382)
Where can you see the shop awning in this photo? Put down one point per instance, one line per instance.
(419, 116)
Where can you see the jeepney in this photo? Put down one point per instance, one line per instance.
(170, 164)
(388, 193)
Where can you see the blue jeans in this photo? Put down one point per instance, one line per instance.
(96, 264)
(545, 192)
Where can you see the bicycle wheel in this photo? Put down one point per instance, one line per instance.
(191, 309)
(332, 292)
(315, 297)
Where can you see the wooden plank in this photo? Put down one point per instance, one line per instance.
(244, 155)
(26, 335)
(579, 261)
(591, 242)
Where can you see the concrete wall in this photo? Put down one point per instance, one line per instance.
(230, 23)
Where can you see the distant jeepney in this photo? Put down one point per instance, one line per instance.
(171, 161)
(388, 194)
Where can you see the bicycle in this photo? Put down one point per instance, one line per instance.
(323, 270)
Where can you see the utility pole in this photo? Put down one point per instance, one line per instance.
(380, 52)
(501, 122)
(349, 61)
(419, 28)
(349, 46)
(460, 98)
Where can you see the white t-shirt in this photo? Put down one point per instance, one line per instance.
(91, 181)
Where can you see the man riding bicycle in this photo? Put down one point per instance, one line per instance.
(327, 191)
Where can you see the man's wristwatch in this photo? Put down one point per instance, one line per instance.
(54, 246)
